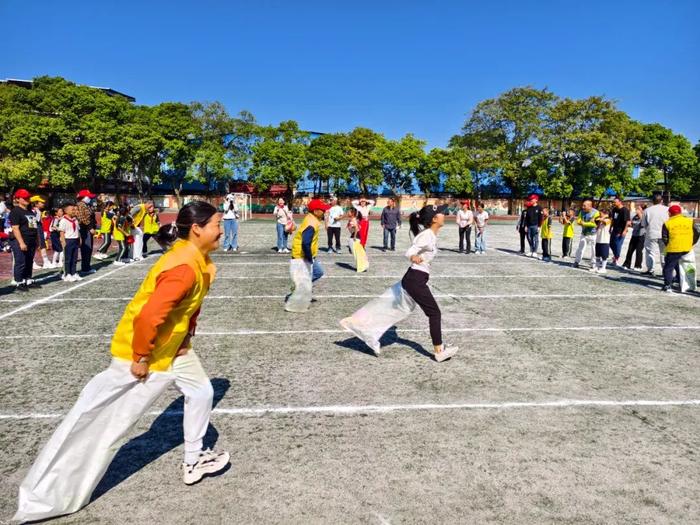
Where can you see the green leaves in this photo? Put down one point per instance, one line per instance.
(280, 158)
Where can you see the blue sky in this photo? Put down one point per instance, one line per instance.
(394, 66)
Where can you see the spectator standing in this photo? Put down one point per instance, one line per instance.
(653, 221)
(69, 229)
(533, 220)
(390, 221)
(333, 224)
(55, 234)
(481, 219)
(88, 225)
(636, 245)
(547, 235)
(465, 221)
(37, 204)
(602, 242)
(231, 217)
(567, 219)
(24, 240)
(620, 223)
(679, 236)
(364, 206)
(284, 220)
(521, 227)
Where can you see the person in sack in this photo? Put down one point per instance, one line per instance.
(151, 350)
(284, 220)
(398, 302)
(354, 244)
(303, 267)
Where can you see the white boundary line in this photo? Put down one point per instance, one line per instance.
(43, 300)
(395, 276)
(437, 263)
(244, 331)
(370, 296)
(384, 409)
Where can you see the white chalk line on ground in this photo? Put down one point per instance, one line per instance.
(84, 282)
(243, 332)
(394, 276)
(369, 296)
(383, 409)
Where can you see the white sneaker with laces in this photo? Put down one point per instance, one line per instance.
(209, 462)
(446, 353)
(35, 266)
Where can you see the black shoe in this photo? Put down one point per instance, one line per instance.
(34, 284)
(626, 266)
(22, 287)
(384, 249)
(576, 265)
(393, 249)
(648, 272)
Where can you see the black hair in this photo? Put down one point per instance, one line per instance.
(658, 198)
(195, 212)
(356, 213)
(68, 203)
(416, 221)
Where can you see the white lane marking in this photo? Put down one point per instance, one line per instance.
(399, 330)
(382, 409)
(43, 300)
(396, 276)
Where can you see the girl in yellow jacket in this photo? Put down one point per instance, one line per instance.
(151, 350)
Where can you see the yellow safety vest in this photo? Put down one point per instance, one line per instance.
(105, 223)
(309, 220)
(546, 229)
(569, 230)
(119, 236)
(173, 331)
(680, 234)
(138, 217)
(150, 223)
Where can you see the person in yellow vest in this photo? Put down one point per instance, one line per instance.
(679, 237)
(304, 268)
(547, 235)
(106, 229)
(151, 350)
(151, 226)
(567, 219)
(121, 227)
(138, 214)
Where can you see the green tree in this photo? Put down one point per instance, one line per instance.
(672, 154)
(212, 162)
(327, 161)
(447, 168)
(364, 156)
(400, 160)
(280, 158)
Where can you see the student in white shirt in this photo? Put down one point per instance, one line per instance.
(465, 220)
(231, 217)
(333, 225)
(375, 318)
(481, 219)
(284, 220)
(69, 230)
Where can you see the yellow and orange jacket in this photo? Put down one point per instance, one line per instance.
(165, 308)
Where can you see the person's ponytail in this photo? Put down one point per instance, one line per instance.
(414, 223)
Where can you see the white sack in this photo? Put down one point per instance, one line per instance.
(300, 299)
(688, 272)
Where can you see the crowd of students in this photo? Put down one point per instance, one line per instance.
(68, 232)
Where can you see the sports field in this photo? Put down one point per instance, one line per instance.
(574, 397)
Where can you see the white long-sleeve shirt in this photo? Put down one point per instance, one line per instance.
(425, 246)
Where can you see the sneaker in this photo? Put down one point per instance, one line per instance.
(447, 352)
(13, 283)
(637, 269)
(35, 266)
(667, 289)
(374, 345)
(576, 265)
(648, 272)
(33, 284)
(76, 277)
(22, 287)
(65, 277)
(593, 270)
(209, 462)
(602, 270)
(119, 263)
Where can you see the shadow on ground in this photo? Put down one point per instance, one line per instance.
(390, 337)
(164, 435)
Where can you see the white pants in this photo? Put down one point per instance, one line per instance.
(137, 247)
(301, 272)
(587, 242)
(653, 248)
(377, 316)
(71, 464)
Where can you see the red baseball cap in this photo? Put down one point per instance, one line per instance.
(675, 210)
(22, 194)
(318, 204)
(533, 197)
(85, 193)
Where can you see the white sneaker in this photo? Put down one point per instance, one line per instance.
(118, 263)
(374, 345)
(35, 266)
(447, 352)
(209, 462)
(593, 270)
(76, 277)
(602, 270)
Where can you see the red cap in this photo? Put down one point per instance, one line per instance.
(465, 201)
(22, 194)
(533, 197)
(85, 193)
(318, 204)
(675, 210)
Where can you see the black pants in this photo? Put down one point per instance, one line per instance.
(123, 254)
(146, 236)
(106, 242)
(85, 249)
(523, 236)
(333, 233)
(23, 260)
(635, 247)
(566, 246)
(671, 265)
(545, 248)
(70, 257)
(465, 234)
(390, 238)
(415, 283)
